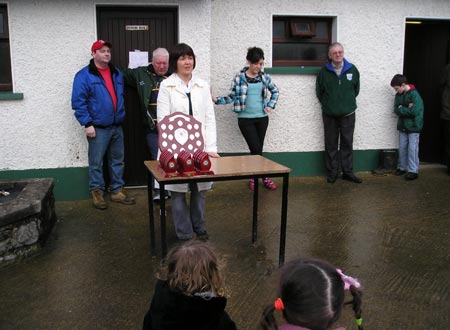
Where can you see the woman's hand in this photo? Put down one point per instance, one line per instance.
(213, 154)
(268, 110)
(213, 98)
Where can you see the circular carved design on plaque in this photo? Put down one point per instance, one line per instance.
(178, 132)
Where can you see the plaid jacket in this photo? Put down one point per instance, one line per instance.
(239, 88)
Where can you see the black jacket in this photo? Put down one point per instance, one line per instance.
(172, 310)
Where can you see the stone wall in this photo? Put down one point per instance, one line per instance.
(27, 219)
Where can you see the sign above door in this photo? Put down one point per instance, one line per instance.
(136, 27)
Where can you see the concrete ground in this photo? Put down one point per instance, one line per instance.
(95, 272)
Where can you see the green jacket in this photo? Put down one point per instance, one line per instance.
(410, 119)
(337, 95)
(144, 80)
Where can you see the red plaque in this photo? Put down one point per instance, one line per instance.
(181, 135)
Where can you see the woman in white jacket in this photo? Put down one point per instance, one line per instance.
(182, 92)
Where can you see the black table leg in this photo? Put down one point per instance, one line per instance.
(284, 204)
(151, 218)
(162, 215)
(255, 212)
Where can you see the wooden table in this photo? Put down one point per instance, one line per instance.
(224, 168)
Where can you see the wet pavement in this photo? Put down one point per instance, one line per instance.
(96, 272)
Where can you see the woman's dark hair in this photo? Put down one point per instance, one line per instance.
(254, 54)
(398, 80)
(312, 292)
(176, 52)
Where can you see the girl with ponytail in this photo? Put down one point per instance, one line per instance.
(311, 297)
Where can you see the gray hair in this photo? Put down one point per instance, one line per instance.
(160, 52)
(335, 44)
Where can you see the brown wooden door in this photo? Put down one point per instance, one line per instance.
(129, 29)
(427, 47)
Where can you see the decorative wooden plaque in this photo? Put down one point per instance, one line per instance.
(178, 132)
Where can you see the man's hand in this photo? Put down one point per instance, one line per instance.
(90, 132)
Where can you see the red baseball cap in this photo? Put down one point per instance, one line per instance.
(99, 44)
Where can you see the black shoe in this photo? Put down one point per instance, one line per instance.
(411, 176)
(202, 235)
(331, 178)
(382, 171)
(399, 172)
(351, 177)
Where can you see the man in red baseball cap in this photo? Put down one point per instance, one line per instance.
(98, 102)
(99, 44)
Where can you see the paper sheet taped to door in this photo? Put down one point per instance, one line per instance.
(137, 58)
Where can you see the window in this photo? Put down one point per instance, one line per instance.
(5, 58)
(301, 41)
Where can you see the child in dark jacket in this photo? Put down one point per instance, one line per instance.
(311, 296)
(408, 106)
(190, 291)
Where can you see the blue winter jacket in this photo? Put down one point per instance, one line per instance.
(91, 100)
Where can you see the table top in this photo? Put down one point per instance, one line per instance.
(224, 167)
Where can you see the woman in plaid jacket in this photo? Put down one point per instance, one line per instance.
(251, 101)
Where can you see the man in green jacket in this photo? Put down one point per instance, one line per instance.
(146, 80)
(337, 87)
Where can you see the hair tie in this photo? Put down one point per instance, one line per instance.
(348, 280)
(278, 304)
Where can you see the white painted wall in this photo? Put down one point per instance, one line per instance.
(372, 33)
(50, 41)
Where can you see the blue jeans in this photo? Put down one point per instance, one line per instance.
(152, 143)
(188, 219)
(107, 141)
(408, 152)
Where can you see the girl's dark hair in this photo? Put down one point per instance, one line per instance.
(193, 267)
(254, 54)
(312, 292)
(176, 52)
(398, 80)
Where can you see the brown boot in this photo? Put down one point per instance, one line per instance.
(122, 197)
(97, 199)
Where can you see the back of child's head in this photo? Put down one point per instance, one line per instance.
(311, 295)
(398, 80)
(193, 267)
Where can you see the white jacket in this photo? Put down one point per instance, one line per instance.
(172, 98)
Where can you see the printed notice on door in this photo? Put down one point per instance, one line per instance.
(137, 58)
